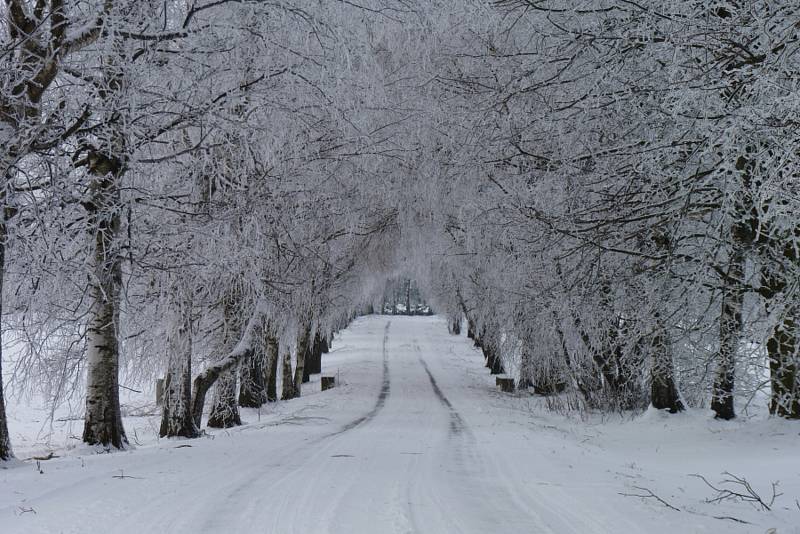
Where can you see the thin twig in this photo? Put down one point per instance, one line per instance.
(650, 495)
(732, 519)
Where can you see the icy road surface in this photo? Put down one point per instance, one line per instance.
(414, 440)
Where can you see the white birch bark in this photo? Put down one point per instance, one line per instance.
(103, 420)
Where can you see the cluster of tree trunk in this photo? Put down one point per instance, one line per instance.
(244, 376)
(610, 379)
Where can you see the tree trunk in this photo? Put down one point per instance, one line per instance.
(478, 339)
(493, 361)
(242, 351)
(784, 366)
(730, 329)
(5, 440)
(206, 379)
(782, 346)
(314, 361)
(287, 381)
(324, 346)
(103, 421)
(308, 361)
(783, 351)
(454, 325)
(224, 410)
(623, 374)
(271, 369)
(525, 371)
(663, 390)
(586, 378)
(300, 376)
(253, 387)
(176, 418)
(549, 384)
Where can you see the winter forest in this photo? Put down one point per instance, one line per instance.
(205, 200)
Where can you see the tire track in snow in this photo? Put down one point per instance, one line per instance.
(382, 396)
(471, 465)
(457, 425)
(239, 492)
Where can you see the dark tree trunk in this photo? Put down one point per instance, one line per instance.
(242, 351)
(177, 419)
(782, 346)
(273, 351)
(549, 384)
(663, 390)
(287, 379)
(206, 379)
(224, 407)
(176, 415)
(323, 347)
(784, 365)
(300, 376)
(525, 371)
(623, 375)
(252, 385)
(314, 356)
(478, 340)
(5, 439)
(730, 329)
(224, 411)
(587, 379)
(493, 361)
(454, 325)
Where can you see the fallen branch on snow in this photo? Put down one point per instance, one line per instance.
(742, 491)
(122, 475)
(650, 495)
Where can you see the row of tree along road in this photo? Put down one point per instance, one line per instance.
(206, 191)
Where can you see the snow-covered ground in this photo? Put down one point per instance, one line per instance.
(415, 439)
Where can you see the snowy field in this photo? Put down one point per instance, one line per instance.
(416, 439)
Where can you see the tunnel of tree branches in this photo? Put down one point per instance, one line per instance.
(604, 198)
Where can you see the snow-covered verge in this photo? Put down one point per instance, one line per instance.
(651, 466)
(415, 439)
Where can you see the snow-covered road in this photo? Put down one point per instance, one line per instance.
(415, 440)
